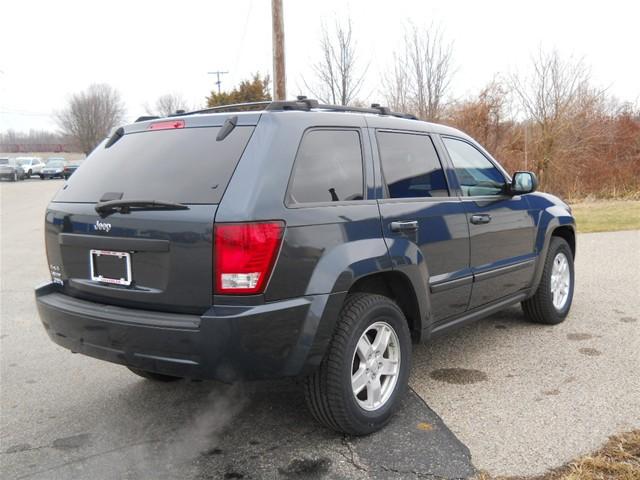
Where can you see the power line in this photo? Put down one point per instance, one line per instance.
(22, 112)
(244, 34)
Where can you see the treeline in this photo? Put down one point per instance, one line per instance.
(551, 119)
(589, 149)
(36, 141)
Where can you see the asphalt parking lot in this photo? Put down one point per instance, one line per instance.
(501, 395)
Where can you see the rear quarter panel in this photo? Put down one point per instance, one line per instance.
(326, 246)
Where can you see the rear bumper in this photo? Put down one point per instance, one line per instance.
(277, 339)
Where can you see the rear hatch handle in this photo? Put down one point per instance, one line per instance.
(125, 206)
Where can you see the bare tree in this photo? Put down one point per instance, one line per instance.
(428, 59)
(91, 115)
(338, 76)
(484, 115)
(421, 74)
(167, 104)
(395, 84)
(555, 91)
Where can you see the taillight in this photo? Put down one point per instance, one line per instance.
(244, 254)
(168, 125)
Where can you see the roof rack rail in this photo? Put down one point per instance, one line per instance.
(302, 103)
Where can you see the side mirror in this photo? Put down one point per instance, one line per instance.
(523, 182)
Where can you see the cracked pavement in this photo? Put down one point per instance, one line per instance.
(521, 397)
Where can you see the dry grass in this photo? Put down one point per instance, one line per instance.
(619, 459)
(607, 216)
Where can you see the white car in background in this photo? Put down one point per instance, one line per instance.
(30, 165)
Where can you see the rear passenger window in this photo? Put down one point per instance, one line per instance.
(328, 168)
(411, 166)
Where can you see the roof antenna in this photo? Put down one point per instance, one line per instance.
(308, 102)
(382, 110)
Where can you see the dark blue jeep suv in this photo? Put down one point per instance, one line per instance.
(295, 239)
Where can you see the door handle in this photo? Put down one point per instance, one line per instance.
(480, 219)
(410, 226)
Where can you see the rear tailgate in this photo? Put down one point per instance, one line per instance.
(145, 258)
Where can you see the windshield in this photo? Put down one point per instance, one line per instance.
(24, 161)
(4, 161)
(55, 164)
(186, 165)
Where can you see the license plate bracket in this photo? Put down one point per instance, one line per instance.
(110, 267)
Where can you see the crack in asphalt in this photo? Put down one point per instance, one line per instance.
(353, 455)
(416, 473)
(88, 457)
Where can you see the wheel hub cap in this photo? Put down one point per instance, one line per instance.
(560, 281)
(375, 366)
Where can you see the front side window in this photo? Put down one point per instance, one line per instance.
(476, 174)
(411, 166)
(328, 168)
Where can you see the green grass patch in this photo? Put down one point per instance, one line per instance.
(607, 216)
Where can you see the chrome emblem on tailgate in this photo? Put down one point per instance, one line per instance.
(105, 227)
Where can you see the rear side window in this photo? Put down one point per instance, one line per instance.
(411, 166)
(184, 165)
(328, 168)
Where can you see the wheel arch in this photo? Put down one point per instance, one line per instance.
(399, 288)
(553, 224)
(567, 233)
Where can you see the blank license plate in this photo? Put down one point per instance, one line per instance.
(110, 267)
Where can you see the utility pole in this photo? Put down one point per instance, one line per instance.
(218, 82)
(279, 77)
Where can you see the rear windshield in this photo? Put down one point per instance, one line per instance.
(182, 165)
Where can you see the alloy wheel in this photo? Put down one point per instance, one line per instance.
(560, 281)
(375, 366)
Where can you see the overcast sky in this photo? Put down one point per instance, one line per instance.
(50, 49)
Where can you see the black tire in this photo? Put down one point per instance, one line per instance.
(328, 390)
(540, 308)
(41, 177)
(29, 173)
(15, 177)
(157, 377)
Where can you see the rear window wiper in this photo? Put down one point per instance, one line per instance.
(125, 206)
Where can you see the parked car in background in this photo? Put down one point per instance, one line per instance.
(10, 170)
(69, 168)
(53, 169)
(31, 165)
(48, 160)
